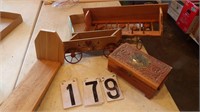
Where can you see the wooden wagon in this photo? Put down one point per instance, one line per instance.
(105, 40)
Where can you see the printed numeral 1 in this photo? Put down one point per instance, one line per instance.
(70, 94)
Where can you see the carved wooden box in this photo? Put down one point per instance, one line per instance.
(141, 70)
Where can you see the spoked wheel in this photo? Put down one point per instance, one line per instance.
(73, 55)
(109, 48)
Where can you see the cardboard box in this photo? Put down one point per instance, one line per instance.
(141, 70)
(189, 17)
(174, 9)
(195, 33)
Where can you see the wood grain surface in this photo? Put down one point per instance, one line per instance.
(13, 47)
(7, 26)
(28, 95)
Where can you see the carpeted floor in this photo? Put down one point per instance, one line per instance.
(182, 53)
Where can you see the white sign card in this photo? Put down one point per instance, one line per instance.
(111, 88)
(92, 92)
(70, 94)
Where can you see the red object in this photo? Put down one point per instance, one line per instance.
(188, 17)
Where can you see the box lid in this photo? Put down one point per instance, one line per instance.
(143, 66)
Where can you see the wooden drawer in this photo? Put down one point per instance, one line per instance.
(141, 70)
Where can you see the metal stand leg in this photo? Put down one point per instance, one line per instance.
(138, 43)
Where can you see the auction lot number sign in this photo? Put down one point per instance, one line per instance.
(94, 90)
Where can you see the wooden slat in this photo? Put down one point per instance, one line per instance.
(29, 93)
(123, 21)
(152, 28)
(96, 44)
(142, 33)
(88, 21)
(15, 20)
(160, 20)
(92, 34)
(48, 2)
(13, 47)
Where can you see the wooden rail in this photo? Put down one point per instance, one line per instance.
(29, 93)
(129, 17)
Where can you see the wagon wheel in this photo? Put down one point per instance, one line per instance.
(73, 55)
(109, 48)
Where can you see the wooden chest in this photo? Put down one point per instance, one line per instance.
(141, 70)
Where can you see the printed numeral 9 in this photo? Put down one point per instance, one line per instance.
(113, 88)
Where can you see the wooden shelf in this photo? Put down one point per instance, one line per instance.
(9, 21)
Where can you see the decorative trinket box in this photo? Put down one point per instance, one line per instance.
(141, 70)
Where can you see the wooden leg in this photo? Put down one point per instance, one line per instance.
(150, 95)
